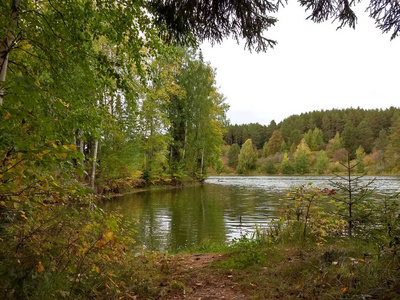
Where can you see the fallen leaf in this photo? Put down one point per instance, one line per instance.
(40, 267)
(345, 290)
(7, 116)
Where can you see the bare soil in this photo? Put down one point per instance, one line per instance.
(201, 282)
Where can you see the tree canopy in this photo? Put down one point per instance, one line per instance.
(249, 19)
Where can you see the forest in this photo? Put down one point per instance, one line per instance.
(317, 142)
(93, 100)
(103, 96)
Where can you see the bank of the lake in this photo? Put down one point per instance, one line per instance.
(220, 210)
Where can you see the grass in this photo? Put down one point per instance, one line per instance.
(337, 269)
(291, 268)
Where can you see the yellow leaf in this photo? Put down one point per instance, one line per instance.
(45, 151)
(64, 155)
(100, 244)
(110, 235)
(73, 147)
(23, 214)
(7, 116)
(345, 290)
(298, 287)
(65, 147)
(40, 267)
(3, 203)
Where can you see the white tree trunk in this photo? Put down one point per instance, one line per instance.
(82, 146)
(184, 144)
(7, 43)
(93, 177)
(202, 162)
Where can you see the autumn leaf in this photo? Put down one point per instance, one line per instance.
(73, 147)
(345, 290)
(7, 116)
(40, 267)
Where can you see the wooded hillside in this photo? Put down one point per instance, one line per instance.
(371, 136)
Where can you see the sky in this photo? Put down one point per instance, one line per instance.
(313, 67)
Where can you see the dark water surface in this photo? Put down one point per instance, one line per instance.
(225, 207)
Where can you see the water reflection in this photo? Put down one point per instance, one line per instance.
(222, 209)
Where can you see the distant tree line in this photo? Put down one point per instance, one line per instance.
(316, 142)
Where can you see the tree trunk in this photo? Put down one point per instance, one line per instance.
(81, 145)
(202, 162)
(93, 177)
(185, 141)
(6, 45)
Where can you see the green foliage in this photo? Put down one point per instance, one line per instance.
(353, 200)
(335, 131)
(382, 141)
(360, 156)
(270, 167)
(393, 149)
(350, 138)
(286, 165)
(306, 216)
(247, 157)
(302, 158)
(220, 166)
(274, 144)
(365, 136)
(334, 144)
(197, 118)
(387, 222)
(322, 162)
(233, 155)
(314, 138)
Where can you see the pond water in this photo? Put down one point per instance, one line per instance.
(225, 207)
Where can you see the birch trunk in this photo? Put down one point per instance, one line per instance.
(6, 45)
(82, 146)
(202, 162)
(184, 144)
(93, 177)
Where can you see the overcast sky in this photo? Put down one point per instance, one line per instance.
(313, 67)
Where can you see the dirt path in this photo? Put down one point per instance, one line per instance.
(201, 282)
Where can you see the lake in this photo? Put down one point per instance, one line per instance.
(225, 207)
